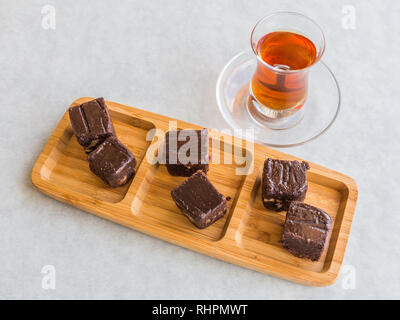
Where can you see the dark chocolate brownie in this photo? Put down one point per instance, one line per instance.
(91, 123)
(112, 162)
(199, 201)
(186, 151)
(283, 181)
(305, 230)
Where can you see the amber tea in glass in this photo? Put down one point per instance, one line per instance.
(286, 51)
(286, 45)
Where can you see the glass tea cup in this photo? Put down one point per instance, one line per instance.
(286, 45)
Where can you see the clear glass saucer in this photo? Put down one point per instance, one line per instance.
(319, 112)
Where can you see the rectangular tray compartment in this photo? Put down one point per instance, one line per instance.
(67, 163)
(155, 204)
(260, 229)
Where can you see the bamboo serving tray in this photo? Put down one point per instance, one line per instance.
(248, 235)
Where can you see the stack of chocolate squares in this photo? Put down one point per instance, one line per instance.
(108, 158)
(197, 198)
(284, 188)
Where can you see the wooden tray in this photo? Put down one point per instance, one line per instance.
(248, 235)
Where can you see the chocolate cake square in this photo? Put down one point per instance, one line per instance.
(186, 151)
(199, 201)
(283, 181)
(112, 162)
(91, 123)
(305, 230)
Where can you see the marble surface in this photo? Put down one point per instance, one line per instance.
(165, 56)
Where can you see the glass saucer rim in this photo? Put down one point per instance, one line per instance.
(230, 122)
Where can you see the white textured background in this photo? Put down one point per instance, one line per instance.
(165, 56)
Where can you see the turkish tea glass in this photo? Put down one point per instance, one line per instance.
(286, 45)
